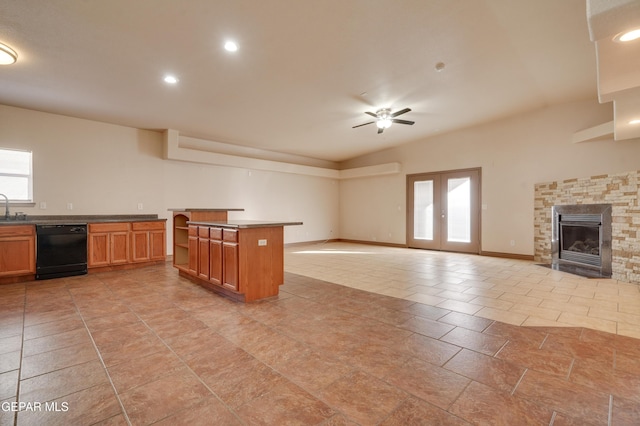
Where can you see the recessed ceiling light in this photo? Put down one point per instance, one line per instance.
(8, 56)
(231, 46)
(636, 121)
(170, 79)
(628, 35)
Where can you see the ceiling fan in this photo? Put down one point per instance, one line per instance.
(384, 118)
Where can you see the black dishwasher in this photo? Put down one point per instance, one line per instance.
(61, 250)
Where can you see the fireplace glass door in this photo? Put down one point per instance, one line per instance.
(580, 243)
(581, 236)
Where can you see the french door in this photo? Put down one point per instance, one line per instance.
(443, 211)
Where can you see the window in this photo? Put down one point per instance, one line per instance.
(16, 179)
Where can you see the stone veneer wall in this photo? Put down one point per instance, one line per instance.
(619, 190)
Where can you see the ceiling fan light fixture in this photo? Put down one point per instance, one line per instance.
(8, 56)
(628, 35)
(231, 46)
(383, 123)
(384, 118)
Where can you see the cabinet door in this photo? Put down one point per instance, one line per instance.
(119, 247)
(230, 265)
(193, 255)
(151, 246)
(215, 256)
(140, 246)
(157, 244)
(147, 245)
(98, 249)
(17, 256)
(108, 244)
(203, 258)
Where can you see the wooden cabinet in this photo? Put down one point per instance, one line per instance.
(148, 242)
(203, 257)
(244, 263)
(122, 243)
(182, 254)
(193, 250)
(181, 259)
(98, 249)
(243, 260)
(215, 256)
(17, 250)
(203, 252)
(108, 244)
(230, 259)
(119, 248)
(260, 261)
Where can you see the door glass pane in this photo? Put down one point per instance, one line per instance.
(459, 209)
(423, 210)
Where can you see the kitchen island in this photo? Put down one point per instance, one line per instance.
(241, 259)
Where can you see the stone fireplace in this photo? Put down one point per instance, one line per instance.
(581, 239)
(619, 191)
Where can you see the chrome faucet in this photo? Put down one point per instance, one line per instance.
(6, 206)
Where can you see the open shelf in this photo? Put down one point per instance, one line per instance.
(181, 232)
(180, 241)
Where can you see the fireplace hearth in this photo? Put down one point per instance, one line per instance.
(581, 239)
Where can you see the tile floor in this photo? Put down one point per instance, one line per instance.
(148, 347)
(517, 292)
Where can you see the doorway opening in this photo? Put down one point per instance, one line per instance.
(443, 210)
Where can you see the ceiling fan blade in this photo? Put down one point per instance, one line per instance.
(360, 125)
(380, 131)
(373, 114)
(395, 120)
(402, 111)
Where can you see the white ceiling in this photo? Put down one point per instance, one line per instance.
(297, 84)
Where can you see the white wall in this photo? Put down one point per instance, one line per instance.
(107, 169)
(514, 154)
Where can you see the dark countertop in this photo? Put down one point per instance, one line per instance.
(205, 210)
(78, 219)
(245, 224)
